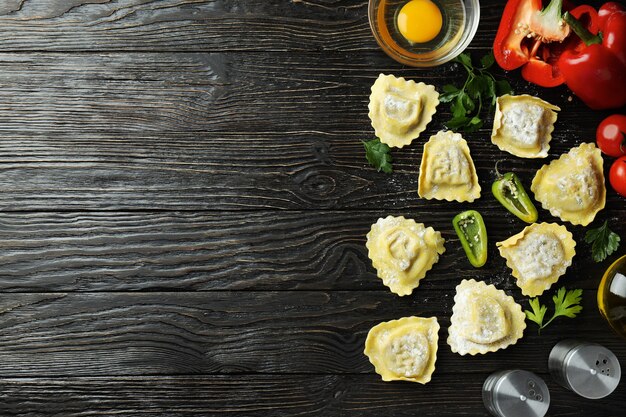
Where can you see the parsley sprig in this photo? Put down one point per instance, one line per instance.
(566, 303)
(377, 154)
(603, 242)
(479, 92)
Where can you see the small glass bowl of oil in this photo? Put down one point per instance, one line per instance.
(423, 33)
(612, 296)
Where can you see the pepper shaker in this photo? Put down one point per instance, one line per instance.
(516, 393)
(590, 370)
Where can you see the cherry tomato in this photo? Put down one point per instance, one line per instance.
(611, 135)
(617, 176)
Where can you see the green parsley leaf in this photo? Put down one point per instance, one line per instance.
(603, 242)
(458, 108)
(488, 60)
(449, 88)
(450, 92)
(464, 59)
(457, 122)
(478, 94)
(491, 90)
(538, 313)
(477, 86)
(566, 303)
(503, 87)
(377, 154)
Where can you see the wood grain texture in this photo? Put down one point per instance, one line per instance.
(261, 250)
(71, 334)
(237, 171)
(272, 396)
(183, 209)
(241, 92)
(218, 25)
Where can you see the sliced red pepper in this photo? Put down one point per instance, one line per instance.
(510, 192)
(529, 37)
(596, 71)
(470, 228)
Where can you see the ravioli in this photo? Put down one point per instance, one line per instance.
(484, 319)
(402, 251)
(447, 171)
(572, 187)
(404, 349)
(401, 109)
(538, 256)
(523, 125)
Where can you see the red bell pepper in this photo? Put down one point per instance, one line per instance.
(531, 38)
(596, 70)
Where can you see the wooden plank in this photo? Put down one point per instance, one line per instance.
(121, 334)
(265, 250)
(272, 395)
(235, 171)
(183, 92)
(217, 25)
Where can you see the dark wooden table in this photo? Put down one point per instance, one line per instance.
(184, 201)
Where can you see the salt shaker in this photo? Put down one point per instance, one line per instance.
(590, 370)
(516, 393)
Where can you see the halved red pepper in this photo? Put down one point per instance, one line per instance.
(596, 70)
(531, 38)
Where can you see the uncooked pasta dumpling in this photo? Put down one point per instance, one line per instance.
(523, 125)
(572, 187)
(447, 171)
(404, 349)
(401, 109)
(402, 251)
(538, 256)
(484, 319)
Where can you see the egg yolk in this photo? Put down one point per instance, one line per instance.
(419, 21)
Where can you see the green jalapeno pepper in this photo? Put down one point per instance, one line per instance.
(509, 191)
(470, 228)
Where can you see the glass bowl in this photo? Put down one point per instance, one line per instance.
(460, 21)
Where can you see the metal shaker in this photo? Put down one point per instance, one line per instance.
(516, 393)
(590, 370)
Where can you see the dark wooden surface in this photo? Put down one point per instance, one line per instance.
(183, 207)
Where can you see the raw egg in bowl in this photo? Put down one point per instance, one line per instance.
(423, 33)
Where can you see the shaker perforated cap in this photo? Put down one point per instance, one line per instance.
(590, 370)
(516, 393)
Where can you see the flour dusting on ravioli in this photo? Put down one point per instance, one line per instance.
(572, 187)
(538, 256)
(447, 171)
(484, 319)
(401, 109)
(404, 349)
(402, 251)
(523, 125)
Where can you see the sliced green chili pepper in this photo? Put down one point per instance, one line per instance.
(510, 192)
(470, 228)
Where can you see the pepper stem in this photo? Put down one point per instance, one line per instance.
(553, 8)
(498, 172)
(582, 32)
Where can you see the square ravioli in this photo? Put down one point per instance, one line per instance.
(523, 125)
(572, 187)
(484, 319)
(402, 251)
(404, 349)
(447, 171)
(538, 256)
(400, 110)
